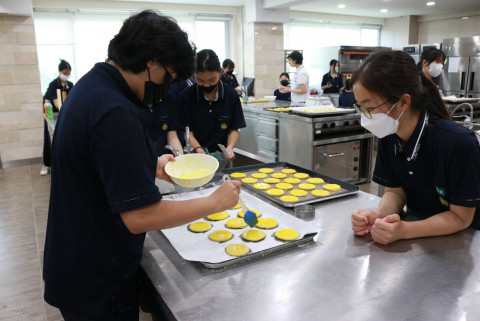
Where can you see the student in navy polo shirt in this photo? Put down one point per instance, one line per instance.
(103, 195)
(284, 81)
(332, 81)
(210, 109)
(425, 160)
(228, 67)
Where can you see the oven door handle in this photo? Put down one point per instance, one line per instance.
(333, 154)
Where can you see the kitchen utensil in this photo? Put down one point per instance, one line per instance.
(192, 170)
(249, 216)
(173, 149)
(305, 212)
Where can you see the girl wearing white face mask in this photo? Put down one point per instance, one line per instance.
(431, 63)
(62, 83)
(332, 81)
(422, 154)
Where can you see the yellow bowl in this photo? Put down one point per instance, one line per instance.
(192, 170)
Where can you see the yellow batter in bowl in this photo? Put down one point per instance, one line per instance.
(279, 175)
(287, 235)
(275, 192)
(261, 186)
(332, 187)
(292, 180)
(266, 170)
(220, 236)
(271, 180)
(259, 175)
(199, 227)
(289, 199)
(298, 192)
(237, 249)
(266, 223)
(284, 186)
(238, 175)
(236, 223)
(218, 216)
(242, 215)
(288, 171)
(300, 175)
(320, 193)
(249, 180)
(253, 235)
(315, 180)
(306, 186)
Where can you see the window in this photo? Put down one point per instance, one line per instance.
(212, 35)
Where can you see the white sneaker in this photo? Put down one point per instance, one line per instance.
(44, 170)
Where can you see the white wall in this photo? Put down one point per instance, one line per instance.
(395, 32)
(433, 31)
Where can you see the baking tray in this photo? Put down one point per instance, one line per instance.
(460, 100)
(347, 188)
(303, 111)
(272, 109)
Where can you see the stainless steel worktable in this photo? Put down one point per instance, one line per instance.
(339, 277)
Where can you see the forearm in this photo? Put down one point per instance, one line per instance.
(172, 140)
(301, 90)
(233, 138)
(392, 202)
(56, 103)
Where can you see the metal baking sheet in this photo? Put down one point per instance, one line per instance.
(311, 111)
(460, 100)
(347, 188)
(197, 247)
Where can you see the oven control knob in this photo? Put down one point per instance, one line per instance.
(346, 123)
(355, 168)
(325, 125)
(355, 159)
(332, 125)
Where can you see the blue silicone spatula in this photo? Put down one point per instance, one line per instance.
(249, 217)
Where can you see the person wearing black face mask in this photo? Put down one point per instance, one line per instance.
(284, 81)
(211, 109)
(228, 77)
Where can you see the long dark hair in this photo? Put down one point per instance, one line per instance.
(391, 74)
(207, 60)
(430, 55)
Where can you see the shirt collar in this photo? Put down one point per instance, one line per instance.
(412, 146)
(218, 96)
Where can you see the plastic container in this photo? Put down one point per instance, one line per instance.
(48, 109)
(305, 212)
(192, 170)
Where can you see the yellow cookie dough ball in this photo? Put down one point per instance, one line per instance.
(220, 236)
(259, 175)
(199, 227)
(261, 186)
(332, 187)
(238, 175)
(266, 223)
(242, 215)
(275, 192)
(284, 186)
(217, 216)
(253, 235)
(279, 175)
(249, 180)
(288, 171)
(271, 180)
(300, 175)
(315, 180)
(287, 235)
(266, 170)
(307, 186)
(289, 199)
(236, 223)
(320, 193)
(237, 249)
(298, 192)
(292, 180)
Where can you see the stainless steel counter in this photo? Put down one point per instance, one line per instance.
(339, 277)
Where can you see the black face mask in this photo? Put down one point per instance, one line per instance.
(230, 72)
(284, 82)
(208, 89)
(156, 92)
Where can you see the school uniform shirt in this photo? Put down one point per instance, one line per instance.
(439, 165)
(230, 81)
(280, 96)
(103, 163)
(211, 121)
(336, 82)
(51, 92)
(300, 77)
(347, 99)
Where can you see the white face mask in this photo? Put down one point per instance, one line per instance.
(435, 69)
(381, 124)
(336, 69)
(64, 77)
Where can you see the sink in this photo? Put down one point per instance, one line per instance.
(476, 126)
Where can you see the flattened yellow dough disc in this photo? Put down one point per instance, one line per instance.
(259, 175)
(217, 216)
(289, 199)
(332, 187)
(266, 223)
(287, 235)
(300, 175)
(271, 180)
(320, 193)
(253, 235)
(266, 170)
(298, 192)
(315, 180)
(275, 192)
(199, 227)
(284, 186)
(307, 186)
(236, 223)
(249, 180)
(237, 249)
(288, 171)
(292, 180)
(261, 186)
(220, 236)
(236, 207)
(240, 214)
(238, 175)
(279, 175)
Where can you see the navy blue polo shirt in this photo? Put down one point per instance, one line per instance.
(51, 92)
(336, 82)
(103, 163)
(230, 81)
(347, 99)
(280, 96)
(439, 165)
(160, 119)
(211, 121)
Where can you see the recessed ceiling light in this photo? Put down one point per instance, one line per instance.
(274, 28)
(465, 18)
(384, 10)
(431, 3)
(341, 6)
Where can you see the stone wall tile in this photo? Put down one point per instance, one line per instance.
(26, 38)
(26, 58)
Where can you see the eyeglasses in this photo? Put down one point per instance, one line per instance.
(367, 111)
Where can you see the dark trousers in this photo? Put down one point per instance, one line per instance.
(130, 316)
(47, 145)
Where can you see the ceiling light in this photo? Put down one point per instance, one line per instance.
(341, 6)
(384, 10)
(465, 18)
(274, 28)
(431, 3)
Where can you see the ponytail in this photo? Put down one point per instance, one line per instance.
(433, 102)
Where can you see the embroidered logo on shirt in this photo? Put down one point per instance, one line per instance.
(443, 201)
(165, 126)
(223, 126)
(440, 191)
